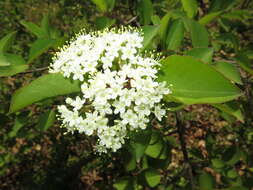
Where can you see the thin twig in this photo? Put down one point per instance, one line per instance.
(131, 20)
(181, 132)
(171, 133)
(35, 70)
(224, 60)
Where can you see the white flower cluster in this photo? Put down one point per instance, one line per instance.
(119, 91)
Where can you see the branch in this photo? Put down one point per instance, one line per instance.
(181, 133)
(249, 96)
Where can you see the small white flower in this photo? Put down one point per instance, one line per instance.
(159, 112)
(77, 103)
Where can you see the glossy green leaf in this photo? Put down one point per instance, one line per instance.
(123, 184)
(145, 11)
(16, 65)
(190, 7)
(38, 47)
(155, 147)
(149, 33)
(229, 70)
(232, 108)
(204, 54)
(144, 162)
(104, 22)
(193, 82)
(199, 34)
(209, 17)
(156, 20)
(47, 86)
(110, 4)
(232, 173)
(35, 29)
(101, 4)
(206, 181)
(6, 42)
(152, 177)
(164, 26)
(120, 185)
(46, 120)
(45, 25)
(4, 61)
(175, 35)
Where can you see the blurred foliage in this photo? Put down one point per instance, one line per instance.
(205, 143)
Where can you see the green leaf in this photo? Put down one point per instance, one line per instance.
(217, 5)
(206, 181)
(240, 15)
(129, 160)
(199, 34)
(46, 120)
(229, 70)
(47, 86)
(140, 143)
(244, 62)
(16, 65)
(204, 54)
(4, 61)
(6, 42)
(101, 4)
(45, 25)
(218, 163)
(175, 35)
(231, 155)
(152, 177)
(193, 82)
(110, 4)
(164, 26)
(145, 11)
(125, 183)
(38, 47)
(149, 33)
(155, 147)
(35, 29)
(231, 173)
(144, 162)
(104, 22)
(209, 17)
(120, 185)
(19, 123)
(232, 108)
(190, 7)
(155, 20)
(229, 40)
(248, 53)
